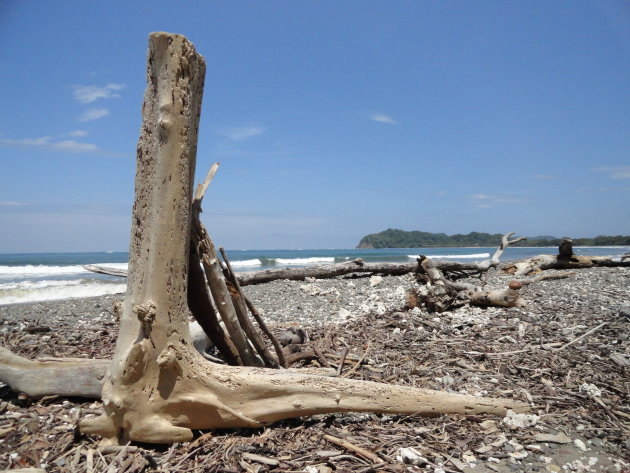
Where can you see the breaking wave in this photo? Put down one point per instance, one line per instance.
(473, 256)
(42, 270)
(48, 290)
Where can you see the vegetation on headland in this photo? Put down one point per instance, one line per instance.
(394, 238)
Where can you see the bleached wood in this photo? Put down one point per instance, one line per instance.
(153, 323)
(63, 376)
(540, 263)
(159, 388)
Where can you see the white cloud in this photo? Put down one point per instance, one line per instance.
(10, 203)
(483, 201)
(45, 142)
(91, 93)
(241, 133)
(382, 118)
(93, 114)
(73, 146)
(615, 172)
(78, 133)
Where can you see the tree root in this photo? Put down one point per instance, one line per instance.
(205, 395)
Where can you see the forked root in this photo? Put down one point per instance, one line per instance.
(206, 395)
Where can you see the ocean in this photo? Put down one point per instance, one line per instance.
(33, 277)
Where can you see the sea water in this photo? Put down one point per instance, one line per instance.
(31, 277)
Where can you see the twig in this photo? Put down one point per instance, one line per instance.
(320, 356)
(353, 448)
(357, 364)
(342, 360)
(255, 313)
(89, 460)
(112, 468)
(260, 459)
(543, 277)
(202, 188)
(241, 312)
(593, 330)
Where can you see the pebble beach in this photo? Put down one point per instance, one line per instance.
(578, 387)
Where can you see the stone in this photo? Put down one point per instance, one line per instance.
(515, 421)
(552, 438)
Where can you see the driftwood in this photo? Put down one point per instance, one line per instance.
(440, 293)
(544, 262)
(348, 267)
(158, 388)
(95, 268)
(53, 376)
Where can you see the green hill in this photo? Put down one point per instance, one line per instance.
(394, 238)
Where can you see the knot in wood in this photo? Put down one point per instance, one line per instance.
(169, 358)
(146, 315)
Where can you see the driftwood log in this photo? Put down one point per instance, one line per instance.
(348, 267)
(537, 264)
(158, 388)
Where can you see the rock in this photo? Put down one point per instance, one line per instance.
(519, 421)
(488, 426)
(469, 458)
(375, 280)
(620, 359)
(552, 438)
(518, 455)
(579, 444)
(292, 336)
(590, 389)
(410, 456)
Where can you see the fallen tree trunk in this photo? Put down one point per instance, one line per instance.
(95, 268)
(349, 267)
(544, 262)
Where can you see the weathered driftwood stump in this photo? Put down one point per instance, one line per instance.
(158, 388)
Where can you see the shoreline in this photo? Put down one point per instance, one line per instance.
(311, 302)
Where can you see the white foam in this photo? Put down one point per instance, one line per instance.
(38, 270)
(246, 263)
(27, 291)
(305, 261)
(473, 256)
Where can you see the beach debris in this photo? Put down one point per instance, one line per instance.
(468, 342)
(410, 456)
(590, 390)
(580, 444)
(565, 259)
(375, 280)
(552, 438)
(292, 336)
(515, 420)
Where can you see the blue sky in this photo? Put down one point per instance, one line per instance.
(330, 119)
